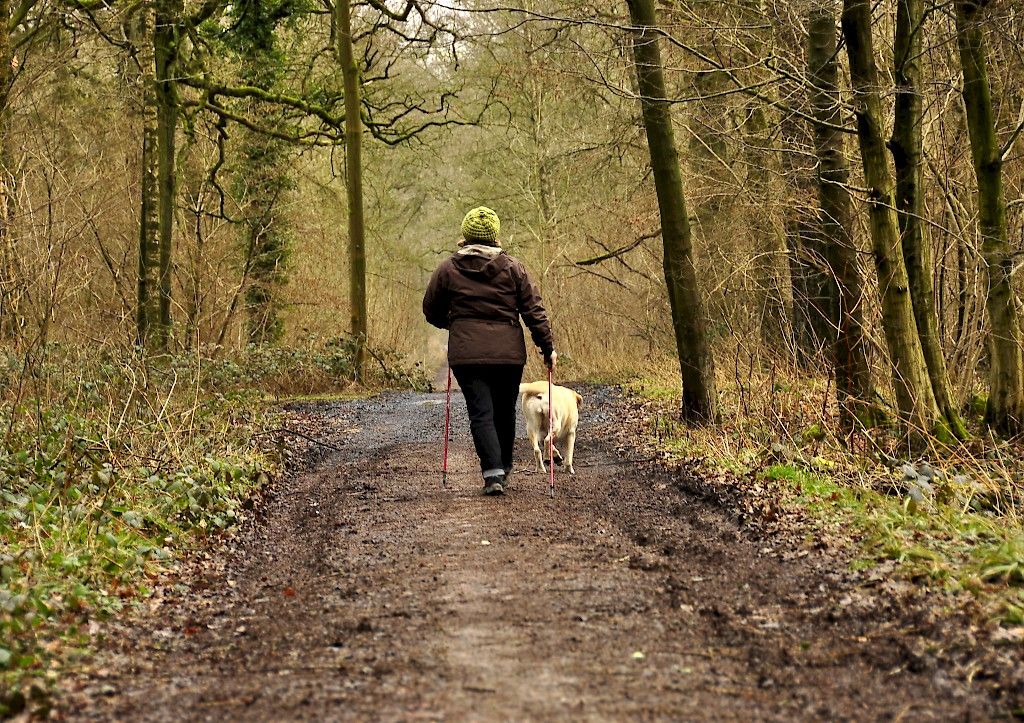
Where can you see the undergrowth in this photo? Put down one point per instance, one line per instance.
(962, 526)
(113, 466)
(943, 540)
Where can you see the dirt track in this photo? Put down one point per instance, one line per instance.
(364, 591)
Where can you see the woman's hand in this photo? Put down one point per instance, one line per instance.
(552, 360)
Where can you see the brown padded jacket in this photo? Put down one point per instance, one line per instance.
(479, 295)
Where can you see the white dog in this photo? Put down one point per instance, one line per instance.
(564, 418)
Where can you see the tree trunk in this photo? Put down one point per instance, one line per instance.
(769, 244)
(774, 297)
(262, 178)
(354, 183)
(165, 52)
(854, 389)
(907, 154)
(814, 290)
(914, 397)
(11, 280)
(1005, 411)
(699, 402)
(147, 295)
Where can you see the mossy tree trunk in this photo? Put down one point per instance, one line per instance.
(1005, 410)
(699, 399)
(854, 388)
(165, 50)
(907, 153)
(147, 309)
(262, 177)
(353, 182)
(914, 397)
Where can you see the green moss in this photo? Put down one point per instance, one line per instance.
(943, 544)
(814, 433)
(652, 389)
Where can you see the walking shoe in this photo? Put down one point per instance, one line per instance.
(507, 482)
(494, 485)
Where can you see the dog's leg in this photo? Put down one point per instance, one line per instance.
(536, 450)
(570, 446)
(559, 459)
(550, 439)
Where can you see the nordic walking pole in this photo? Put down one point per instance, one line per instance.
(551, 437)
(447, 426)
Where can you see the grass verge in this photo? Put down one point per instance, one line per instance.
(951, 518)
(113, 468)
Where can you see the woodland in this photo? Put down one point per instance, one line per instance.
(796, 227)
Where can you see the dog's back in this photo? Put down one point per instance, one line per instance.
(535, 402)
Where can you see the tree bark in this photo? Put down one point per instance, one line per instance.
(854, 389)
(769, 243)
(906, 146)
(774, 289)
(165, 55)
(354, 183)
(147, 288)
(1005, 409)
(11, 280)
(697, 370)
(914, 397)
(814, 291)
(262, 178)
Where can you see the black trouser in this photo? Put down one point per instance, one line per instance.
(490, 391)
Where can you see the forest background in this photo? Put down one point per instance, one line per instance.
(187, 229)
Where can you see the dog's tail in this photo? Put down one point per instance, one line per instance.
(534, 389)
(579, 399)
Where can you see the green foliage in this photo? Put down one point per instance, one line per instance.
(945, 542)
(105, 475)
(111, 467)
(1004, 562)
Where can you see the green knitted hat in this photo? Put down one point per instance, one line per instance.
(481, 224)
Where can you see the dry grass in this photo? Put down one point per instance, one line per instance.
(965, 532)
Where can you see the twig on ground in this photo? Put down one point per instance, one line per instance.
(285, 430)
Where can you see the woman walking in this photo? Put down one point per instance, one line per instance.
(479, 294)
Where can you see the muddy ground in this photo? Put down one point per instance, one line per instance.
(363, 590)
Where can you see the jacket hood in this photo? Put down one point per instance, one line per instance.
(479, 261)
